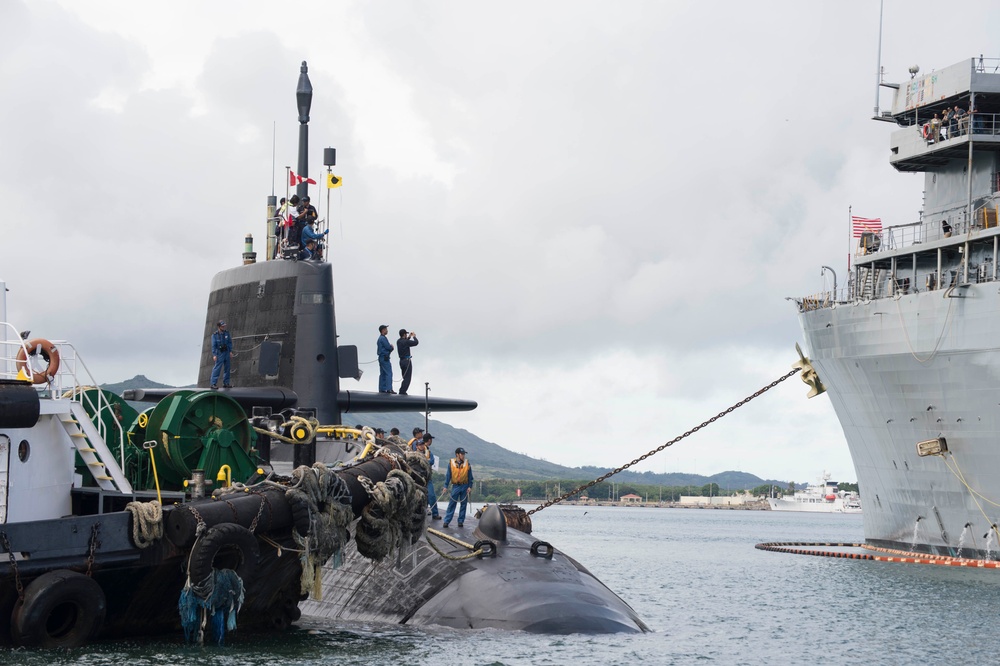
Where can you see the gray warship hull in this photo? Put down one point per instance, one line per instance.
(910, 350)
(909, 369)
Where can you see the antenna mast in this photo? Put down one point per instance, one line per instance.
(878, 59)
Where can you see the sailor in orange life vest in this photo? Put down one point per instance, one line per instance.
(459, 477)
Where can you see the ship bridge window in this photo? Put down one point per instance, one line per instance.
(314, 298)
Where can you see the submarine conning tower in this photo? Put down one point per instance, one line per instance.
(280, 313)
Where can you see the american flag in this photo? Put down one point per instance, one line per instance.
(863, 224)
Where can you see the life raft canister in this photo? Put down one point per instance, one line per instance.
(60, 609)
(48, 351)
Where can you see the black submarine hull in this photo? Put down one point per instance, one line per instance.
(525, 585)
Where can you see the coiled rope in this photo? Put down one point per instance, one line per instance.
(147, 522)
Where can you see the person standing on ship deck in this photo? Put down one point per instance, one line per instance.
(406, 340)
(424, 448)
(383, 348)
(935, 134)
(222, 347)
(459, 477)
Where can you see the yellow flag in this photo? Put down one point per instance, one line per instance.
(333, 181)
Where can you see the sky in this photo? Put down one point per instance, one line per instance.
(591, 213)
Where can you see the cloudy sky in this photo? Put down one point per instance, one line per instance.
(590, 212)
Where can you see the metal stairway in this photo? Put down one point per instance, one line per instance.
(94, 450)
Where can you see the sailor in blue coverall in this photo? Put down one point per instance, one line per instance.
(423, 447)
(384, 349)
(459, 477)
(222, 347)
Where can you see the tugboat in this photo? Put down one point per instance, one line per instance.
(105, 526)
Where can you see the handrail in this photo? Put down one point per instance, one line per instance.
(899, 236)
(66, 384)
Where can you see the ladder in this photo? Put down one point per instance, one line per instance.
(94, 450)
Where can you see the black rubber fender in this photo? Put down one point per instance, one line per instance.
(301, 517)
(234, 546)
(61, 608)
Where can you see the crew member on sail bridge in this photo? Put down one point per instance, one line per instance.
(384, 348)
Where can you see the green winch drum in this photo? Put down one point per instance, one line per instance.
(112, 416)
(199, 430)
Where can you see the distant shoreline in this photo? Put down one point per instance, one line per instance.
(759, 505)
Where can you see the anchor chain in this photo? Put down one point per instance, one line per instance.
(13, 565)
(715, 418)
(93, 546)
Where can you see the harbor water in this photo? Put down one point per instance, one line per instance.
(693, 575)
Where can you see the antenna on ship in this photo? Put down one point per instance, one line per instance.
(303, 99)
(878, 60)
(878, 114)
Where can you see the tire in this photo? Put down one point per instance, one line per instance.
(233, 545)
(61, 609)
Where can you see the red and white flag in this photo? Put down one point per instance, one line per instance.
(860, 225)
(294, 180)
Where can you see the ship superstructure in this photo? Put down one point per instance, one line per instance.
(910, 349)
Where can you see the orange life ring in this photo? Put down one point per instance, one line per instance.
(926, 130)
(48, 351)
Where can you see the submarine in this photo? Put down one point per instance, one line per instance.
(488, 574)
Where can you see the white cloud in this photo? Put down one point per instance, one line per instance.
(592, 217)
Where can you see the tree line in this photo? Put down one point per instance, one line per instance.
(506, 490)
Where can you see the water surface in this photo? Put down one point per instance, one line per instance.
(693, 575)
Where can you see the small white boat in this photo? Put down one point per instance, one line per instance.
(821, 497)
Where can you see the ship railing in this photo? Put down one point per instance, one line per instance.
(986, 65)
(824, 299)
(930, 132)
(948, 223)
(71, 381)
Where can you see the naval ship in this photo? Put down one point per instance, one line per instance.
(908, 350)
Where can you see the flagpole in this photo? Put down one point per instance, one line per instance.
(328, 172)
(288, 195)
(850, 236)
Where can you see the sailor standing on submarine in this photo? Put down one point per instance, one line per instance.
(459, 477)
(222, 346)
(384, 348)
